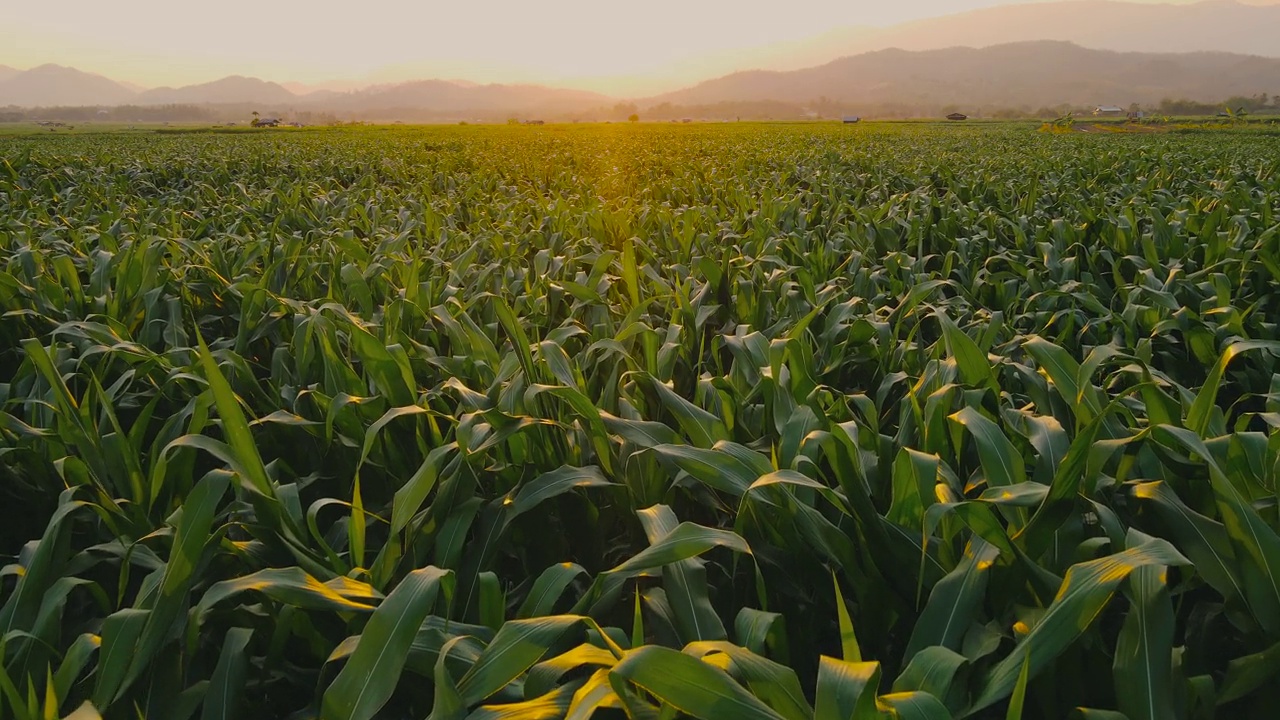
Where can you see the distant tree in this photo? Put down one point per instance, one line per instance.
(633, 118)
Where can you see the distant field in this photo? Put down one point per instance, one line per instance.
(1258, 123)
(649, 421)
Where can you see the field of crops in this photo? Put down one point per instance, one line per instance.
(648, 422)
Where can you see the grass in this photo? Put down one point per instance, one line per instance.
(799, 421)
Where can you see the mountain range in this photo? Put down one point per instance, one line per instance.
(1211, 26)
(1052, 53)
(234, 89)
(1043, 73)
(54, 85)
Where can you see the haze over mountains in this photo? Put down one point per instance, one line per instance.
(234, 89)
(1080, 51)
(1215, 25)
(1043, 73)
(54, 85)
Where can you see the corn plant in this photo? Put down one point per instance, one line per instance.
(757, 421)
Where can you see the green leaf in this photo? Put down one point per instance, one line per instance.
(548, 589)
(846, 690)
(554, 483)
(41, 570)
(120, 632)
(914, 476)
(716, 468)
(1019, 699)
(1143, 665)
(974, 367)
(644, 433)
(915, 706)
(1247, 674)
(1199, 416)
(550, 706)
(1203, 540)
(516, 647)
(931, 670)
(391, 376)
(74, 660)
(544, 675)
(492, 600)
(775, 684)
(759, 631)
(1085, 591)
(291, 586)
(687, 540)
(955, 600)
(234, 426)
(1037, 535)
(1063, 371)
(369, 678)
(223, 698)
(1001, 462)
(848, 638)
(702, 428)
(594, 694)
(630, 275)
(447, 704)
(689, 685)
(685, 582)
(1257, 546)
(410, 496)
(169, 601)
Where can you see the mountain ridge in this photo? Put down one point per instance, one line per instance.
(1032, 73)
(1212, 25)
(52, 84)
(1052, 53)
(230, 89)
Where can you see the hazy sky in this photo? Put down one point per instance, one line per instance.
(569, 42)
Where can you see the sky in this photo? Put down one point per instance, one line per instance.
(630, 44)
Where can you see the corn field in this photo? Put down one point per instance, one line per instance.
(640, 422)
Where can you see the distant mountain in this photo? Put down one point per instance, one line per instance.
(1035, 54)
(1217, 26)
(234, 89)
(443, 96)
(54, 85)
(1030, 74)
(1214, 26)
(337, 86)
